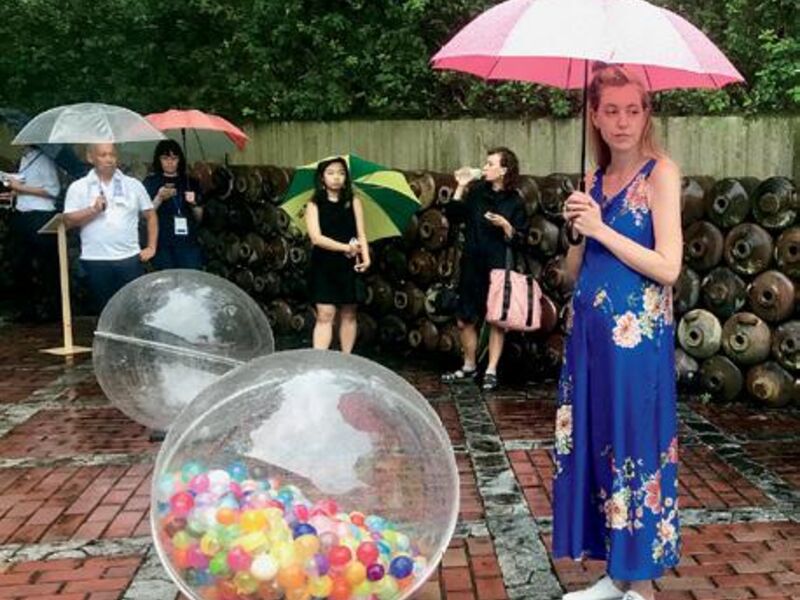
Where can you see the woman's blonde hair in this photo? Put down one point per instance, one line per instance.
(617, 76)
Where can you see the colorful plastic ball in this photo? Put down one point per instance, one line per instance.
(354, 573)
(302, 529)
(401, 567)
(375, 572)
(245, 583)
(181, 503)
(300, 593)
(301, 512)
(180, 557)
(191, 470)
(197, 560)
(340, 590)
(258, 499)
(264, 567)
(320, 587)
(226, 516)
(326, 507)
(367, 553)
(291, 576)
(210, 544)
(375, 523)
(328, 540)
(237, 470)
(386, 589)
(306, 546)
(219, 565)
(339, 556)
(357, 518)
(253, 520)
(322, 564)
(239, 559)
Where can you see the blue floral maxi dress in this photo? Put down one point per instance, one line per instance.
(616, 453)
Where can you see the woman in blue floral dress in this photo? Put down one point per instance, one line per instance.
(616, 486)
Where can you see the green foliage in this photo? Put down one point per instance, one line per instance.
(327, 59)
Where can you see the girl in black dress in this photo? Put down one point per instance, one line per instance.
(495, 218)
(335, 223)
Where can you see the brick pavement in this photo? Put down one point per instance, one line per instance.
(75, 475)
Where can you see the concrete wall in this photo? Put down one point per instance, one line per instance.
(716, 146)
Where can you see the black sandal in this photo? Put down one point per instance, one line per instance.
(489, 382)
(459, 376)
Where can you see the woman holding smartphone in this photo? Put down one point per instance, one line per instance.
(176, 200)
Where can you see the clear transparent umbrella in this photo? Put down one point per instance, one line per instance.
(87, 123)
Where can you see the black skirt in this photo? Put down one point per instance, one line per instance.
(333, 279)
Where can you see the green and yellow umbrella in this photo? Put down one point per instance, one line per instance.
(385, 195)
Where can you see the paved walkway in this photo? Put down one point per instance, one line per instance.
(75, 476)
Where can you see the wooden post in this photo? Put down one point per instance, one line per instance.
(56, 225)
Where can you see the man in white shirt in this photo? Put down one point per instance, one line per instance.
(106, 205)
(34, 260)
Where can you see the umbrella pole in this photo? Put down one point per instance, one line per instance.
(185, 149)
(573, 237)
(584, 110)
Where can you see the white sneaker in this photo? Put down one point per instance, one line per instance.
(604, 589)
(631, 595)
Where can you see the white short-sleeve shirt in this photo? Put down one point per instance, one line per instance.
(39, 171)
(114, 233)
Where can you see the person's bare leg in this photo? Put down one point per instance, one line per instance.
(469, 344)
(496, 339)
(347, 327)
(323, 328)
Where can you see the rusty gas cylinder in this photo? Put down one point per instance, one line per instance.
(686, 291)
(748, 249)
(729, 203)
(775, 203)
(703, 246)
(787, 252)
(700, 333)
(772, 296)
(746, 339)
(724, 292)
(771, 385)
(721, 378)
(786, 345)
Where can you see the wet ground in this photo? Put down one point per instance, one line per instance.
(75, 476)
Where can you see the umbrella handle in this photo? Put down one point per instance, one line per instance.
(573, 237)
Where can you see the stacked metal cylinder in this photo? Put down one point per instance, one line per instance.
(737, 297)
(736, 300)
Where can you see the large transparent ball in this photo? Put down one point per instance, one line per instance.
(166, 336)
(305, 474)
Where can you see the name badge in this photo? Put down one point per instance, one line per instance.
(181, 226)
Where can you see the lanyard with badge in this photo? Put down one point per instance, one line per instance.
(181, 223)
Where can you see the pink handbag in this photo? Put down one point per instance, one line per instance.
(515, 299)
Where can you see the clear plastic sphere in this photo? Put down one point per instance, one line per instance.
(166, 336)
(305, 474)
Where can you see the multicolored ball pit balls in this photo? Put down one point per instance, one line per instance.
(231, 536)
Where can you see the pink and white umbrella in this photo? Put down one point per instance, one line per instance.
(555, 42)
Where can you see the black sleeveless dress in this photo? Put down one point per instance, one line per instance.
(332, 278)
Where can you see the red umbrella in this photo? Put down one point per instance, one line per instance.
(554, 42)
(206, 134)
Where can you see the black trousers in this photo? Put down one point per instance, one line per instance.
(34, 266)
